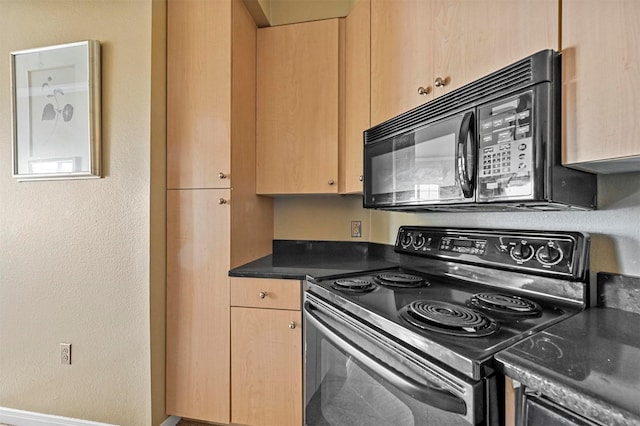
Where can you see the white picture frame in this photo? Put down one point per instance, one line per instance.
(56, 112)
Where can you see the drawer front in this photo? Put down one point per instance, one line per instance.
(266, 293)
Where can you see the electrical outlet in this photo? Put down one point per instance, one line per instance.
(356, 228)
(65, 353)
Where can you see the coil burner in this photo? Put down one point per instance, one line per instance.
(353, 285)
(448, 318)
(399, 279)
(505, 305)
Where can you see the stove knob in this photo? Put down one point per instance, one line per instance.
(405, 241)
(419, 241)
(521, 252)
(549, 255)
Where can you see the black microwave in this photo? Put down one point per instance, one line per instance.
(493, 144)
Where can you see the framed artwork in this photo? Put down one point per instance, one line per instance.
(56, 112)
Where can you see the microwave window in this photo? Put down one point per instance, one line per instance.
(421, 170)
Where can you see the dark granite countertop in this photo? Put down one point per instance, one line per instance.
(589, 363)
(297, 259)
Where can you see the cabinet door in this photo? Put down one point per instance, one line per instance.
(475, 38)
(357, 95)
(401, 56)
(198, 305)
(198, 93)
(298, 108)
(266, 367)
(600, 84)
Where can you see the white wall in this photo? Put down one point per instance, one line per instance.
(83, 261)
(614, 227)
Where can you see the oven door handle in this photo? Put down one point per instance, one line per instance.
(431, 395)
(466, 143)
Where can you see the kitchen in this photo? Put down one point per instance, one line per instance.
(114, 309)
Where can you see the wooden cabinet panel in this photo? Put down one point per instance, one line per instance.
(298, 108)
(198, 93)
(357, 93)
(198, 305)
(475, 38)
(600, 85)
(401, 56)
(266, 367)
(415, 42)
(266, 293)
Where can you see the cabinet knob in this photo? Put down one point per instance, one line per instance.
(440, 82)
(423, 91)
(222, 175)
(263, 294)
(292, 325)
(222, 201)
(331, 182)
(361, 178)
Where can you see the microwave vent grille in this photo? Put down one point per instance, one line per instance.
(516, 76)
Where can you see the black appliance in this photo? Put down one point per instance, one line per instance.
(493, 144)
(415, 344)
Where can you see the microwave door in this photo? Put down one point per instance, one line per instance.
(425, 166)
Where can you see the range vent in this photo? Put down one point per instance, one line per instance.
(519, 75)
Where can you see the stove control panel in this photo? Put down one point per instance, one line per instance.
(541, 252)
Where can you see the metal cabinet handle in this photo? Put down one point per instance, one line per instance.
(222, 201)
(263, 294)
(331, 182)
(361, 178)
(440, 82)
(222, 175)
(422, 91)
(292, 325)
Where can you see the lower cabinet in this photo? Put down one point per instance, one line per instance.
(266, 352)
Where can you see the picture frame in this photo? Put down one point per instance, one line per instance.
(56, 112)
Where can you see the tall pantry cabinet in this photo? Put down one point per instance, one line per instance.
(214, 219)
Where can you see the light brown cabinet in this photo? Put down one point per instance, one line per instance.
(198, 258)
(600, 85)
(214, 219)
(424, 49)
(198, 94)
(299, 107)
(266, 352)
(357, 92)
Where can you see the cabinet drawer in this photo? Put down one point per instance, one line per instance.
(265, 293)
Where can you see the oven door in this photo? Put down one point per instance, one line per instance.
(431, 164)
(356, 375)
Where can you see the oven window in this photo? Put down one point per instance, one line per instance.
(340, 391)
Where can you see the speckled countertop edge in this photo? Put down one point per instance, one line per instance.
(570, 398)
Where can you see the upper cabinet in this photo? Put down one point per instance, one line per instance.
(357, 92)
(198, 108)
(600, 121)
(401, 56)
(299, 118)
(424, 49)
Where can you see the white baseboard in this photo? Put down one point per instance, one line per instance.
(27, 418)
(171, 421)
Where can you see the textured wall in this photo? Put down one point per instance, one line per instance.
(75, 256)
(614, 228)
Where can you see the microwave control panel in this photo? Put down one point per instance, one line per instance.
(505, 148)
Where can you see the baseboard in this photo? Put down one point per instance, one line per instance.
(171, 421)
(28, 418)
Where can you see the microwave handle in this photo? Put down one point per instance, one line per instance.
(429, 394)
(466, 141)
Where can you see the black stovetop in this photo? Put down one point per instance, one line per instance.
(382, 306)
